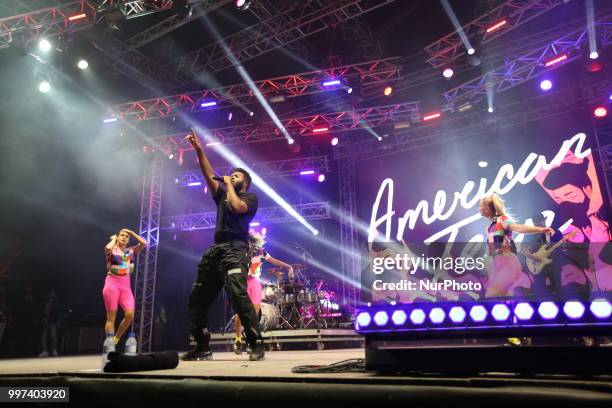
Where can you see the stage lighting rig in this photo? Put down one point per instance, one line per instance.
(242, 4)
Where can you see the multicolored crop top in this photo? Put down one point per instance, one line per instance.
(120, 262)
(499, 236)
(257, 262)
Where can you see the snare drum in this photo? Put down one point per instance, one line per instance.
(269, 293)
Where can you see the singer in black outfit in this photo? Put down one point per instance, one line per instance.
(226, 261)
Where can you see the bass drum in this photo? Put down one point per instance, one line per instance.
(269, 317)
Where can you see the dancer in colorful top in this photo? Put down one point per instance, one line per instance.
(117, 290)
(505, 272)
(254, 288)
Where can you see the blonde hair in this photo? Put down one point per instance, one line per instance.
(497, 206)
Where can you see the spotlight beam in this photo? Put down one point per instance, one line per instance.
(590, 14)
(455, 21)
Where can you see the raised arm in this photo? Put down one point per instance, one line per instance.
(113, 241)
(142, 243)
(205, 166)
(526, 229)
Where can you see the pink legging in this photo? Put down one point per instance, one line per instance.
(118, 292)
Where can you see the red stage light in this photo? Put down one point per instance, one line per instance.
(77, 17)
(496, 26)
(556, 60)
(432, 116)
(320, 130)
(388, 91)
(600, 112)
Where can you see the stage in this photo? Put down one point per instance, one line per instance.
(229, 377)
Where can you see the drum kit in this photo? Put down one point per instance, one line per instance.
(296, 303)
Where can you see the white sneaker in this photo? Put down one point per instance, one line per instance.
(44, 354)
(54, 353)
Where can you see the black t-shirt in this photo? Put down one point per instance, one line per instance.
(232, 226)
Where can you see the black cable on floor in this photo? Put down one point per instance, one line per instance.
(354, 365)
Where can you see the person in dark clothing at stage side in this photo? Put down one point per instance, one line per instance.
(226, 261)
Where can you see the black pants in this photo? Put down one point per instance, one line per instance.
(222, 264)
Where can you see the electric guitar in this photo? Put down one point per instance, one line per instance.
(544, 253)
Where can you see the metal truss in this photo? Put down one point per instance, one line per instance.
(284, 28)
(266, 215)
(279, 168)
(350, 263)
(48, 21)
(139, 8)
(514, 12)
(305, 126)
(366, 73)
(519, 70)
(473, 123)
(146, 266)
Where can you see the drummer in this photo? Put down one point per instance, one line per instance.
(258, 256)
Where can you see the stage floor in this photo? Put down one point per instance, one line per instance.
(276, 365)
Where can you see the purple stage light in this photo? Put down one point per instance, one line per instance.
(264, 231)
(254, 224)
(381, 318)
(601, 308)
(321, 178)
(332, 82)
(194, 183)
(546, 85)
(457, 314)
(399, 317)
(573, 309)
(208, 104)
(523, 311)
(610, 97)
(548, 310)
(500, 312)
(437, 315)
(364, 319)
(334, 141)
(417, 316)
(478, 313)
(306, 172)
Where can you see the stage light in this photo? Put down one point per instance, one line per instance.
(264, 231)
(546, 85)
(208, 104)
(212, 144)
(350, 90)
(594, 55)
(251, 113)
(44, 87)
(496, 26)
(500, 312)
(363, 319)
(379, 138)
(490, 109)
(44, 45)
(523, 311)
(194, 184)
(417, 316)
(331, 83)
(399, 317)
(478, 313)
(432, 116)
(465, 107)
(277, 99)
(77, 17)
(334, 141)
(471, 51)
(437, 315)
(230, 116)
(457, 314)
(600, 112)
(320, 130)
(170, 156)
(556, 60)
(176, 180)
(573, 309)
(321, 178)
(548, 310)
(448, 73)
(381, 318)
(610, 97)
(254, 224)
(388, 90)
(83, 64)
(306, 172)
(601, 308)
(242, 4)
